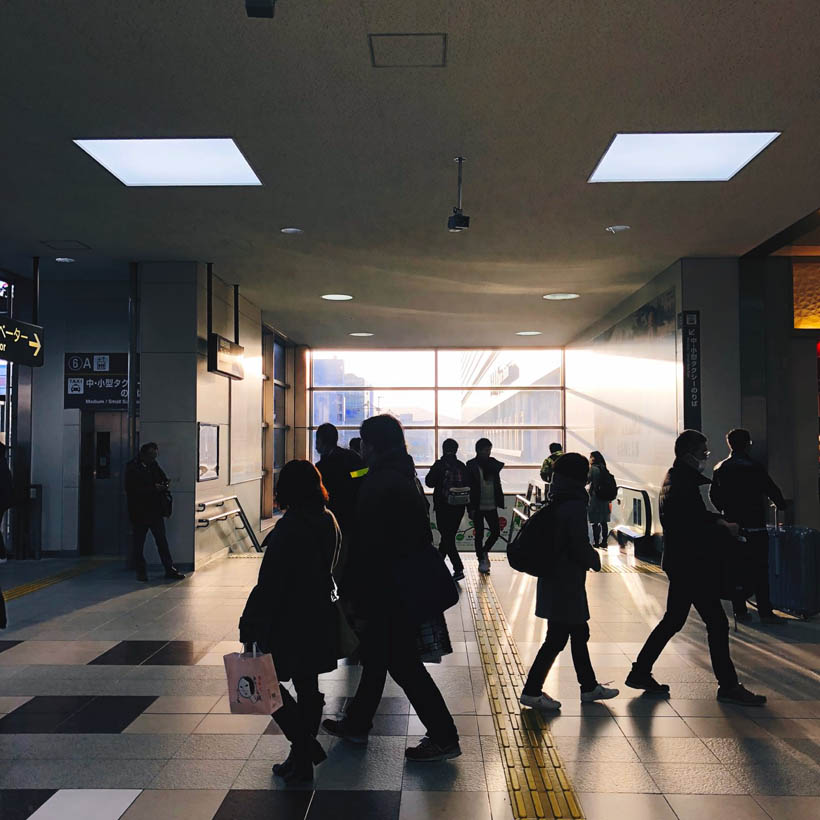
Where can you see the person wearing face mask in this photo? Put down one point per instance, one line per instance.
(690, 533)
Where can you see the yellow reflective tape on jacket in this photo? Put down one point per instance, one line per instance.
(360, 473)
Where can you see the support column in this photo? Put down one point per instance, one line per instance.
(168, 389)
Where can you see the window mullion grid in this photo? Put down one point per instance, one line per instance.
(436, 388)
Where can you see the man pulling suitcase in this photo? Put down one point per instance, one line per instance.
(740, 490)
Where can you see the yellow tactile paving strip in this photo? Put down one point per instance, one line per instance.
(609, 565)
(50, 580)
(538, 785)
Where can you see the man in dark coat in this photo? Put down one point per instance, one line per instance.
(486, 496)
(146, 489)
(740, 489)
(562, 596)
(692, 537)
(6, 495)
(446, 473)
(391, 525)
(342, 471)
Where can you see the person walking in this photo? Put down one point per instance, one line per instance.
(740, 490)
(392, 530)
(561, 597)
(692, 536)
(598, 507)
(6, 496)
(451, 493)
(556, 451)
(149, 504)
(486, 496)
(290, 612)
(341, 471)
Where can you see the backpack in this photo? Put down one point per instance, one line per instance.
(532, 549)
(548, 466)
(454, 487)
(607, 489)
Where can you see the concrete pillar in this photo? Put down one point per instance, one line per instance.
(711, 287)
(168, 389)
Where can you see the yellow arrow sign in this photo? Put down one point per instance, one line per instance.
(36, 344)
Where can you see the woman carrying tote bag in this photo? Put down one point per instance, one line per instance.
(292, 612)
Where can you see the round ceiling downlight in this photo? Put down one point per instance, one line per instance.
(528, 333)
(360, 335)
(561, 297)
(291, 231)
(64, 259)
(337, 297)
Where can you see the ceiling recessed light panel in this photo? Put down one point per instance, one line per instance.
(291, 231)
(172, 162)
(65, 259)
(711, 157)
(528, 333)
(560, 297)
(361, 335)
(337, 297)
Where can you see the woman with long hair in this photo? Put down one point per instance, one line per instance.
(290, 612)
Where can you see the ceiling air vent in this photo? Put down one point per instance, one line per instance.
(66, 245)
(408, 50)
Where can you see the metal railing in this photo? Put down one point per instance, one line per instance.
(224, 515)
(523, 507)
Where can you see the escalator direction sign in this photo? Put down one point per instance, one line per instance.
(21, 343)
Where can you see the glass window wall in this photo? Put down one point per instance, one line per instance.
(512, 397)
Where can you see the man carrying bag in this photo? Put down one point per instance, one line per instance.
(396, 582)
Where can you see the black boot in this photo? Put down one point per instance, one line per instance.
(305, 749)
(310, 710)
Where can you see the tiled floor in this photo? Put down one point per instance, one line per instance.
(112, 705)
(687, 756)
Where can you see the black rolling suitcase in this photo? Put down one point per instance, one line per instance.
(794, 569)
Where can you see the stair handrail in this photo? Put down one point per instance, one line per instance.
(203, 523)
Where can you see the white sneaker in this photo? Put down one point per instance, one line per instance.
(484, 565)
(541, 701)
(599, 693)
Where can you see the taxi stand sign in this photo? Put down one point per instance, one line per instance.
(21, 343)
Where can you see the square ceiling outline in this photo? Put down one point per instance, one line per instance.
(65, 245)
(416, 34)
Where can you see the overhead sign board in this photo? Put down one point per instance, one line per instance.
(96, 381)
(226, 357)
(21, 342)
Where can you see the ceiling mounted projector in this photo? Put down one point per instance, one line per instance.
(260, 8)
(458, 221)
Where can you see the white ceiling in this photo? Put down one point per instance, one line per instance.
(361, 157)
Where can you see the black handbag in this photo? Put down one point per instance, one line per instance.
(166, 503)
(423, 585)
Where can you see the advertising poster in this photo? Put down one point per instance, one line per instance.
(465, 538)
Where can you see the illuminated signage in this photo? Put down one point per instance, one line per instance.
(96, 381)
(226, 357)
(21, 343)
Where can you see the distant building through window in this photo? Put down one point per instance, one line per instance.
(513, 397)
